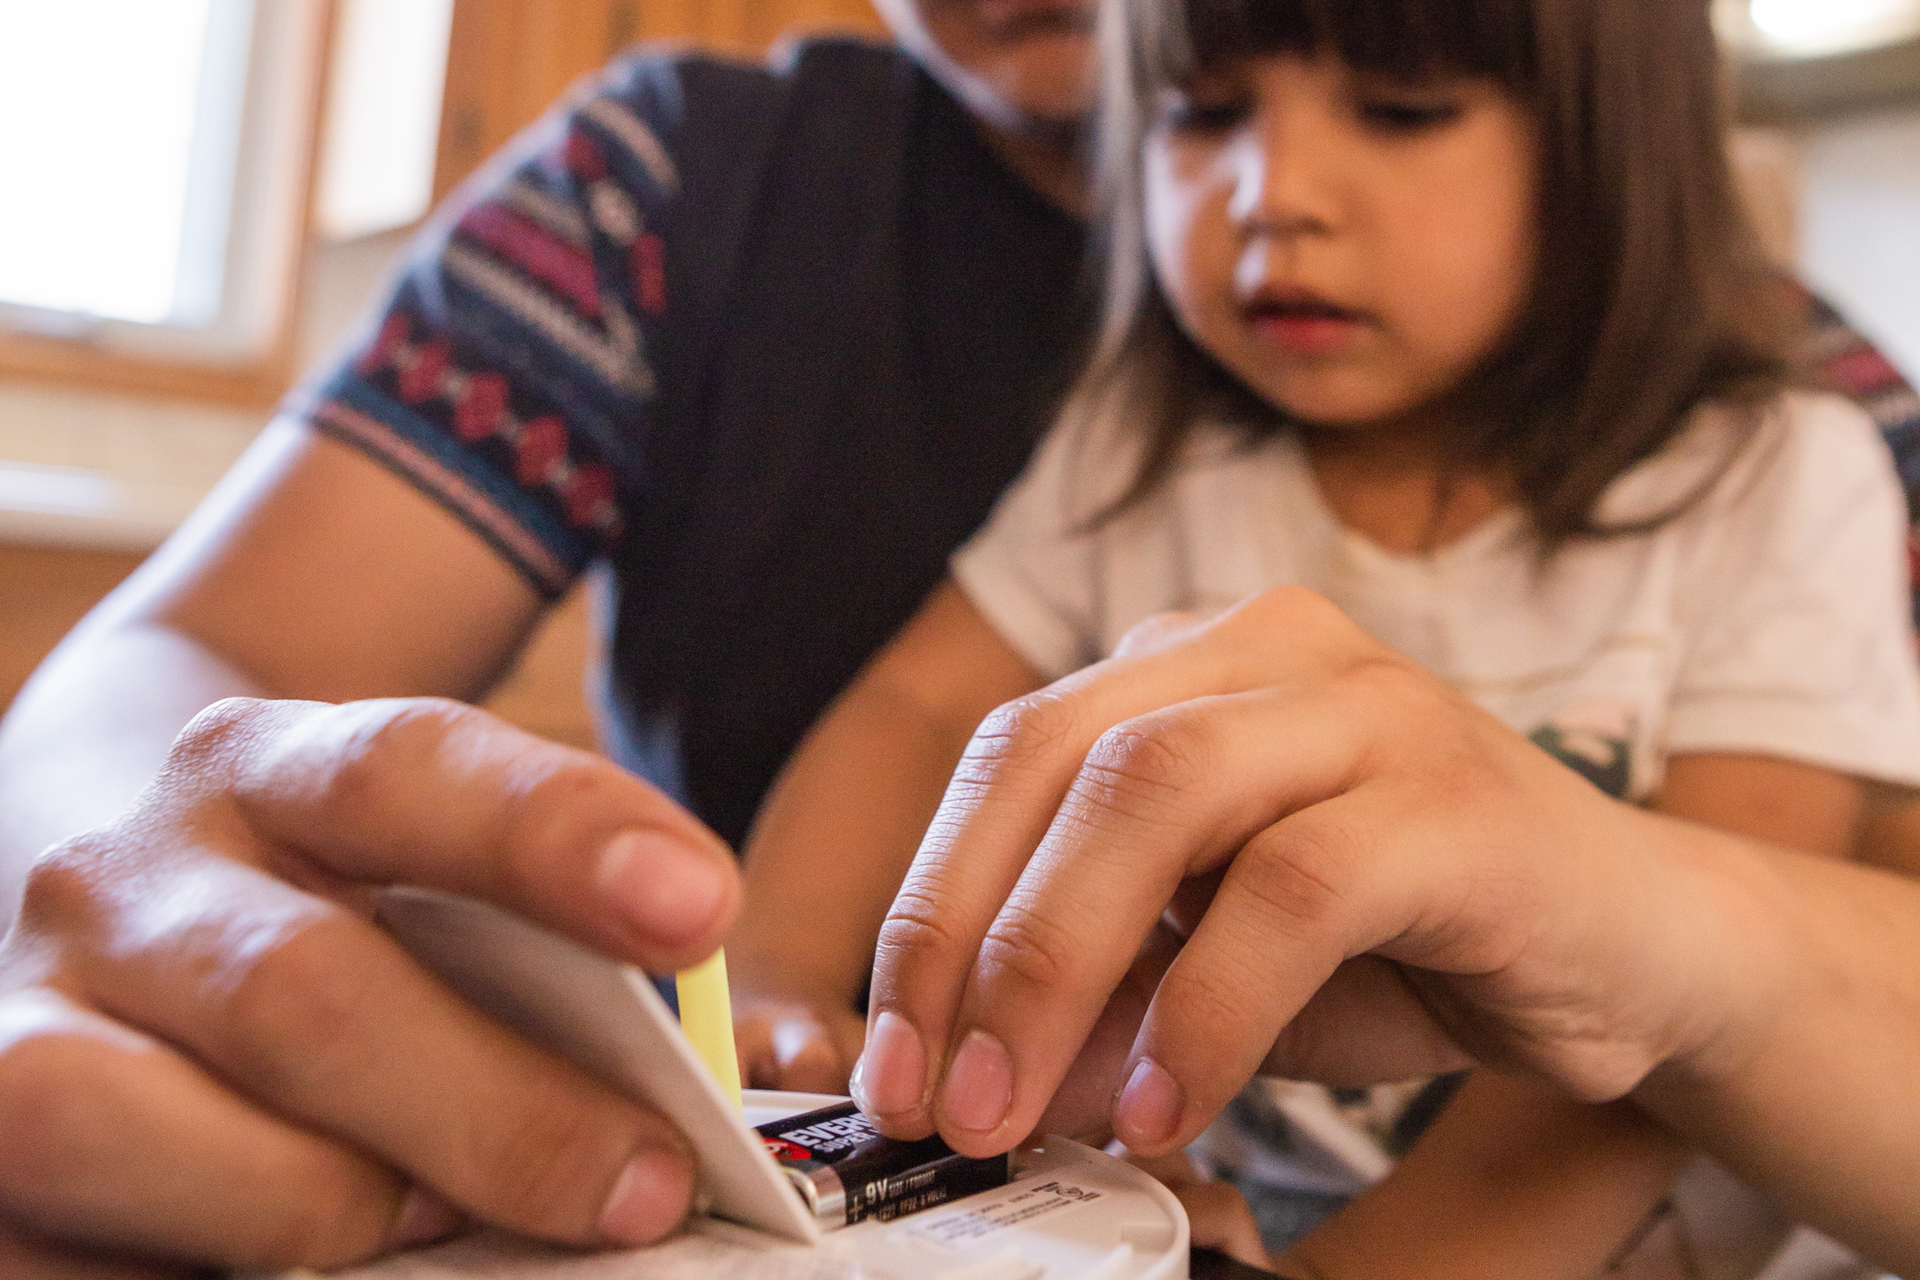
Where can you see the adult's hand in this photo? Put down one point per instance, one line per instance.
(1267, 841)
(1339, 836)
(209, 1052)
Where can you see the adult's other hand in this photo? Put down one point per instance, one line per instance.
(210, 1053)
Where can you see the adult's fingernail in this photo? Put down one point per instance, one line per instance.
(671, 890)
(1148, 1107)
(649, 1197)
(979, 1084)
(891, 1076)
(423, 1218)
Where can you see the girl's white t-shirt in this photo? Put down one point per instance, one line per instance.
(1772, 616)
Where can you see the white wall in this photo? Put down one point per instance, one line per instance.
(1860, 224)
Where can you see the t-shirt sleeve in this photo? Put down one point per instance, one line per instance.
(1802, 645)
(506, 374)
(1034, 569)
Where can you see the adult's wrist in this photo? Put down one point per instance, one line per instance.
(1817, 1034)
(1716, 955)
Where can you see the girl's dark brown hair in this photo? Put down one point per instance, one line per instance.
(1650, 293)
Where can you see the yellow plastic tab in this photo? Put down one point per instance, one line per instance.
(706, 1015)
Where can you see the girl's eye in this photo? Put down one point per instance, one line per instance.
(1396, 115)
(1183, 114)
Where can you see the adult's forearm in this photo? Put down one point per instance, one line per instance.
(91, 728)
(1810, 1092)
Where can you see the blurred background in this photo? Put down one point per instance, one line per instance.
(203, 193)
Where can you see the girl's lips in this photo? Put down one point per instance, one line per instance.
(1303, 324)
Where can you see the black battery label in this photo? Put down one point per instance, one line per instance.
(848, 1171)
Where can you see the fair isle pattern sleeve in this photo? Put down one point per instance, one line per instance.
(1848, 363)
(507, 376)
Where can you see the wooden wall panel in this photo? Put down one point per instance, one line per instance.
(43, 592)
(748, 27)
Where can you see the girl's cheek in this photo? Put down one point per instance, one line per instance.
(1179, 237)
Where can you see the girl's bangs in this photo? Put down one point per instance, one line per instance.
(1405, 40)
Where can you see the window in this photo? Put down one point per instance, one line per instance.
(109, 220)
(157, 155)
(383, 115)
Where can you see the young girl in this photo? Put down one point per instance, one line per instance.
(1443, 309)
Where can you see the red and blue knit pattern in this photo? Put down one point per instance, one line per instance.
(508, 378)
(1855, 368)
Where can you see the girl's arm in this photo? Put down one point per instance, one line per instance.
(837, 831)
(1515, 1179)
(1512, 1179)
(1781, 802)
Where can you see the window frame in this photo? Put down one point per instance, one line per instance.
(275, 204)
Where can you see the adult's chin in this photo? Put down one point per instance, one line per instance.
(1025, 66)
(1042, 84)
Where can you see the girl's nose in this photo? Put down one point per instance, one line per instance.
(1280, 182)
